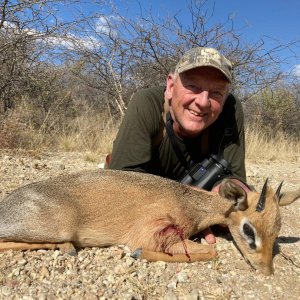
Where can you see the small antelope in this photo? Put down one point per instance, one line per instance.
(154, 215)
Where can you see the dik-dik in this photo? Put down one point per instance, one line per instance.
(145, 212)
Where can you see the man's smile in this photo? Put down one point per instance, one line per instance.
(197, 114)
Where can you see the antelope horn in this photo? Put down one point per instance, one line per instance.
(262, 198)
(278, 190)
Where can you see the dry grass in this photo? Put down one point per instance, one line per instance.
(260, 146)
(93, 134)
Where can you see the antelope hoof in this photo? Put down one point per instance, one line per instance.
(137, 253)
(67, 248)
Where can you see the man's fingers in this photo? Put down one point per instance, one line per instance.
(209, 236)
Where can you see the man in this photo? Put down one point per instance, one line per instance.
(205, 118)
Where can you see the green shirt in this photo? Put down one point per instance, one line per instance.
(142, 144)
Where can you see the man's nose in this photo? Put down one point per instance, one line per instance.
(202, 99)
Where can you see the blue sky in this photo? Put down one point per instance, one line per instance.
(274, 20)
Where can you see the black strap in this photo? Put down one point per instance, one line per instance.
(172, 137)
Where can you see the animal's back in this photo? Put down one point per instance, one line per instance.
(93, 201)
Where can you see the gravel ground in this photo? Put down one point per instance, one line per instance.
(111, 273)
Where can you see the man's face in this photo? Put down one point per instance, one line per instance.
(196, 99)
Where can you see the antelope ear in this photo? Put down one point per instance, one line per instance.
(288, 197)
(232, 191)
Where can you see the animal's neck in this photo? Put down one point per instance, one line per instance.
(210, 210)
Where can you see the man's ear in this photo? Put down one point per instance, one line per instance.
(232, 191)
(170, 86)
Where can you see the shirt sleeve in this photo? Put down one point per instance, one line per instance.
(132, 148)
(235, 152)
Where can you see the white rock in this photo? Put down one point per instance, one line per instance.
(182, 277)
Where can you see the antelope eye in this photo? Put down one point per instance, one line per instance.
(249, 231)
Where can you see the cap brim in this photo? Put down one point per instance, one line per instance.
(190, 67)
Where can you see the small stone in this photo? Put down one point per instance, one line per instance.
(16, 272)
(172, 285)
(22, 262)
(44, 272)
(62, 167)
(6, 291)
(170, 296)
(58, 166)
(56, 254)
(192, 296)
(161, 264)
(129, 261)
(182, 277)
(119, 269)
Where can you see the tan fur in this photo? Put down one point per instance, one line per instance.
(106, 207)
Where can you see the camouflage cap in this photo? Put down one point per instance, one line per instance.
(204, 57)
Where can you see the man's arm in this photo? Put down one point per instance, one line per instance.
(132, 148)
(235, 152)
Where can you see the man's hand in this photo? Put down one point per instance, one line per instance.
(209, 236)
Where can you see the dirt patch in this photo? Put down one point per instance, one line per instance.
(112, 273)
